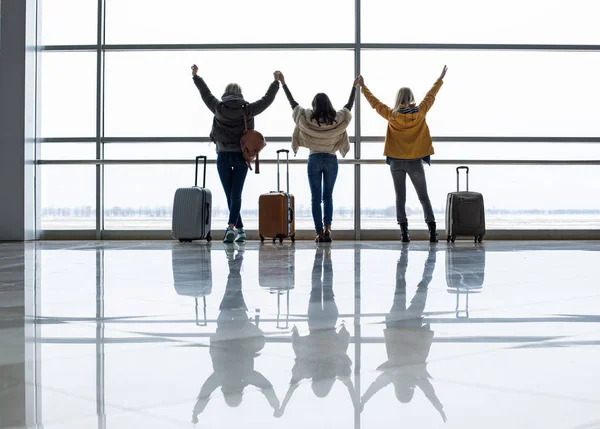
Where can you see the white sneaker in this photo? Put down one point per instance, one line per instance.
(241, 236)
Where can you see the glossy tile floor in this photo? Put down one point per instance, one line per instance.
(357, 335)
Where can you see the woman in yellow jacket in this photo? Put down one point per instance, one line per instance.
(407, 145)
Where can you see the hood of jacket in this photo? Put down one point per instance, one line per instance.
(310, 127)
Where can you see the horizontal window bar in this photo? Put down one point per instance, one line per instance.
(481, 46)
(315, 46)
(364, 139)
(202, 47)
(305, 161)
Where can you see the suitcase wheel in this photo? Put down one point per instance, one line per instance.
(479, 239)
(274, 240)
(183, 240)
(209, 238)
(453, 238)
(262, 239)
(280, 240)
(293, 238)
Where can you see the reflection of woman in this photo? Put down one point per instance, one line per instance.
(321, 356)
(233, 348)
(407, 341)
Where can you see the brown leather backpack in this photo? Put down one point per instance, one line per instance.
(252, 143)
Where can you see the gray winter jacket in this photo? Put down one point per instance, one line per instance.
(228, 123)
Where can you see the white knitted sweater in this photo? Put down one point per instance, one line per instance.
(324, 138)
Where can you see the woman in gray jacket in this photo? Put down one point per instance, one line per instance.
(227, 130)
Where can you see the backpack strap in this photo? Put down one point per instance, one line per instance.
(245, 120)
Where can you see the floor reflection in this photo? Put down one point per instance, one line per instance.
(236, 344)
(321, 356)
(407, 340)
(465, 275)
(358, 335)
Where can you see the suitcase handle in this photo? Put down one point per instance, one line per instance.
(204, 178)
(207, 213)
(291, 210)
(466, 310)
(287, 318)
(287, 152)
(462, 167)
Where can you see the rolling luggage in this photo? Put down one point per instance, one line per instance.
(192, 275)
(192, 208)
(276, 214)
(465, 212)
(465, 274)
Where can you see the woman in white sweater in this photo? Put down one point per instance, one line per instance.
(323, 131)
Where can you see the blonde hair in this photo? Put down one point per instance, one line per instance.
(233, 88)
(405, 98)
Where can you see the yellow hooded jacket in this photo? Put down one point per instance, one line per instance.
(407, 135)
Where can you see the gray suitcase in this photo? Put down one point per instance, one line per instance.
(465, 212)
(192, 208)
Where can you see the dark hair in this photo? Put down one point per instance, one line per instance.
(323, 111)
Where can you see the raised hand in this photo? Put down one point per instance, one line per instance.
(194, 70)
(444, 72)
(281, 78)
(277, 75)
(359, 81)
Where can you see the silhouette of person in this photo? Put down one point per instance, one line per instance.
(233, 348)
(407, 340)
(321, 356)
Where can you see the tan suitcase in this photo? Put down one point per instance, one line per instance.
(276, 210)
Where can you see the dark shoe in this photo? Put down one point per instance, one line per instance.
(433, 236)
(319, 238)
(404, 230)
(327, 235)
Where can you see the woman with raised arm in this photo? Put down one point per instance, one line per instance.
(226, 133)
(322, 130)
(407, 145)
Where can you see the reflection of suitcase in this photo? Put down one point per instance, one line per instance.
(276, 217)
(465, 213)
(276, 267)
(276, 271)
(465, 274)
(192, 211)
(192, 275)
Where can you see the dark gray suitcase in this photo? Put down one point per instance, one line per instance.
(465, 212)
(192, 208)
(465, 274)
(192, 275)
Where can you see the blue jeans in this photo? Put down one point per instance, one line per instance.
(232, 170)
(322, 173)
